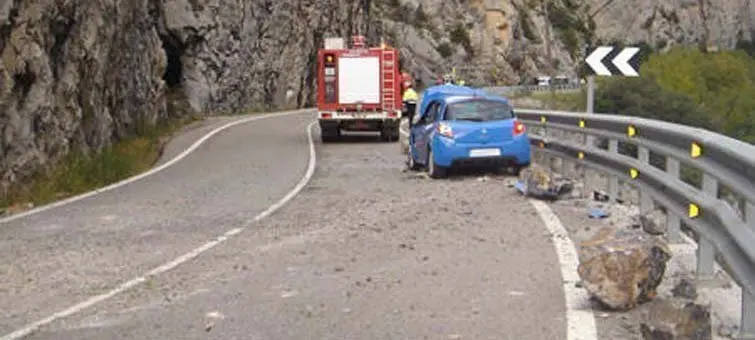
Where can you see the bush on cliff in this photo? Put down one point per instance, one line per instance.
(686, 86)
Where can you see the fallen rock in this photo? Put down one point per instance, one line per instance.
(622, 268)
(685, 289)
(675, 319)
(653, 222)
(541, 183)
(600, 196)
(624, 215)
(727, 331)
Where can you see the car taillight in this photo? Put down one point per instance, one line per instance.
(327, 115)
(444, 130)
(518, 128)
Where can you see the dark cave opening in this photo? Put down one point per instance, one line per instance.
(174, 50)
(22, 83)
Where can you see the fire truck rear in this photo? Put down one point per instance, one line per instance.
(359, 89)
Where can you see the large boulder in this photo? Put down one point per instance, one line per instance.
(622, 268)
(676, 319)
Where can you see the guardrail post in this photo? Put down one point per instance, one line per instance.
(646, 201)
(705, 250)
(613, 181)
(673, 222)
(747, 321)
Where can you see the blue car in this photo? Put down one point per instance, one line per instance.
(458, 126)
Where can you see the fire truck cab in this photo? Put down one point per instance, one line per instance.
(358, 89)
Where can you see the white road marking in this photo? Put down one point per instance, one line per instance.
(580, 320)
(162, 167)
(28, 329)
(215, 315)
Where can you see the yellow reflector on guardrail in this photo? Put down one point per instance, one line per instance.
(582, 123)
(581, 155)
(633, 173)
(543, 119)
(631, 131)
(694, 210)
(695, 150)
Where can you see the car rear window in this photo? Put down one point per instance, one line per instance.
(479, 110)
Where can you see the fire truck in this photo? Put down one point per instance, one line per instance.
(358, 89)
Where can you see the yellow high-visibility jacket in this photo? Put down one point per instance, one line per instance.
(410, 94)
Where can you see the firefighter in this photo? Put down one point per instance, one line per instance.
(410, 103)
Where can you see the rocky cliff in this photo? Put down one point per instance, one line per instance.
(82, 74)
(510, 41)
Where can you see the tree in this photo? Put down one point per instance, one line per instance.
(686, 86)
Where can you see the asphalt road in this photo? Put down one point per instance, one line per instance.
(366, 251)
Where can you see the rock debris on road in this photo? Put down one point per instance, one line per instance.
(366, 251)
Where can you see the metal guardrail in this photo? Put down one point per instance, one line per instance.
(727, 165)
(523, 89)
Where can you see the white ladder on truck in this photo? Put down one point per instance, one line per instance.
(389, 80)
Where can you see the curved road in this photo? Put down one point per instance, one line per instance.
(365, 251)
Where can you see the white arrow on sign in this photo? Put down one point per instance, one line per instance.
(594, 60)
(621, 61)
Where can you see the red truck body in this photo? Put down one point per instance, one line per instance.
(358, 89)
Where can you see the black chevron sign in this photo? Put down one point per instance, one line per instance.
(622, 61)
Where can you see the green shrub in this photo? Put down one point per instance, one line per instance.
(460, 35)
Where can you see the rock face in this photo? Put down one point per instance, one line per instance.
(671, 22)
(506, 42)
(622, 268)
(75, 74)
(676, 319)
(82, 74)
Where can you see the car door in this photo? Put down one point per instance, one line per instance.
(422, 131)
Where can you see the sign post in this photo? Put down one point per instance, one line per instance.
(619, 66)
(590, 94)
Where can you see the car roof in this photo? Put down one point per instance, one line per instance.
(446, 91)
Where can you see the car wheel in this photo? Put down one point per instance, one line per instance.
(433, 170)
(410, 163)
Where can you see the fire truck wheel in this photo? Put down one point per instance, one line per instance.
(330, 135)
(389, 134)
